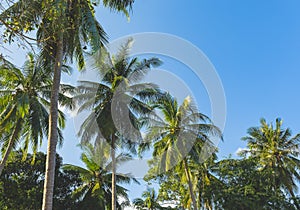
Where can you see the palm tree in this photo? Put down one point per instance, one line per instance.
(182, 136)
(10, 30)
(276, 152)
(117, 101)
(24, 96)
(64, 28)
(150, 201)
(204, 180)
(96, 190)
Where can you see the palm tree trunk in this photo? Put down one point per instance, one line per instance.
(53, 133)
(190, 184)
(10, 144)
(113, 178)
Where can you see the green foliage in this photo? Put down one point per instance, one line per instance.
(73, 21)
(95, 190)
(181, 132)
(265, 178)
(277, 154)
(150, 201)
(118, 94)
(18, 18)
(24, 96)
(244, 186)
(181, 139)
(21, 184)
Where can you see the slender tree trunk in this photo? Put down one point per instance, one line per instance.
(53, 133)
(190, 184)
(113, 178)
(10, 144)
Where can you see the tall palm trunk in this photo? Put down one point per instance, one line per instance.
(113, 178)
(10, 144)
(53, 132)
(190, 184)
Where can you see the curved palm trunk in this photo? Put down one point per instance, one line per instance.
(53, 133)
(10, 144)
(190, 184)
(113, 178)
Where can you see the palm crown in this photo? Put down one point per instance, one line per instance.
(277, 153)
(24, 96)
(180, 132)
(118, 99)
(95, 192)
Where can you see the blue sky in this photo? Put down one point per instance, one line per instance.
(254, 46)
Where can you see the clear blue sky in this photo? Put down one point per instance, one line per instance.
(254, 46)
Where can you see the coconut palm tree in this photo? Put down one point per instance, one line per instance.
(149, 201)
(181, 136)
(96, 190)
(276, 152)
(64, 28)
(24, 96)
(117, 101)
(204, 180)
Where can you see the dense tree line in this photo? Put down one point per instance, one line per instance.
(248, 182)
(264, 177)
(21, 183)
